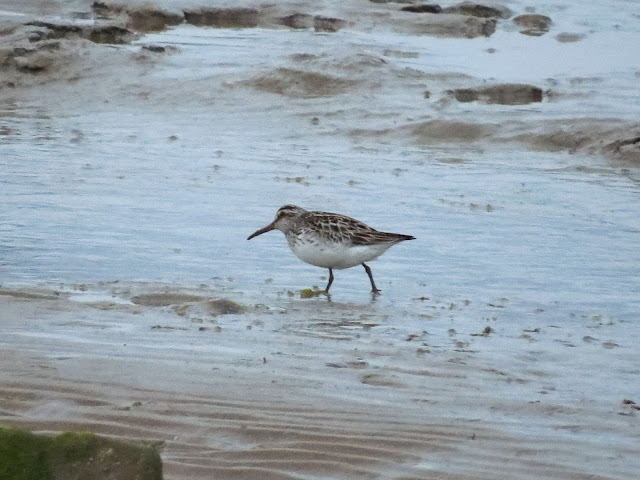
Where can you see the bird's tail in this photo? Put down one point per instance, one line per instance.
(402, 238)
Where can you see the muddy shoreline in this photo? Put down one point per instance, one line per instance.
(223, 395)
(66, 58)
(146, 141)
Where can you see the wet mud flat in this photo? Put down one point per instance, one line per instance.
(421, 98)
(146, 141)
(317, 389)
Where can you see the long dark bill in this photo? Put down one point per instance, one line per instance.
(266, 229)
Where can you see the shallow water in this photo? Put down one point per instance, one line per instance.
(107, 193)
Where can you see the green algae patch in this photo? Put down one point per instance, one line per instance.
(81, 455)
(311, 292)
(23, 456)
(164, 299)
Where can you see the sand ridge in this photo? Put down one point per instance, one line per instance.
(265, 398)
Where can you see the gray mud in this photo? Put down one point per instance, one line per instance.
(317, 389)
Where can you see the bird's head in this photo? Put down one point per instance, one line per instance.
(285, 218)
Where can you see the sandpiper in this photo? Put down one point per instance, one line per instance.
(331, 240)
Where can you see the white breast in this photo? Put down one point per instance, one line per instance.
(335, 255)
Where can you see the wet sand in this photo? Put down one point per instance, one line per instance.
(318, 389)
(47, 57)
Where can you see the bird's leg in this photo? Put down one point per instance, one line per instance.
(330, 280)
(374, 290)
